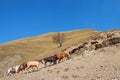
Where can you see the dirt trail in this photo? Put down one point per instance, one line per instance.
(103, 64)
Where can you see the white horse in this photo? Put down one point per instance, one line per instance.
(12, 70)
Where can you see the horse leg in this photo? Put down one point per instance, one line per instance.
(45, 64)
(51, 62)
(25, 70)
(58, 60)
(28, 69)
(37, 68)
(68, 57)
(54, 61)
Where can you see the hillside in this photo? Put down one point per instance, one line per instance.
(102, 64)
(37, 47)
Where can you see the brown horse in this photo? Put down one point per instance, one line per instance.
(60, 56)
(110, 35)
(22, 67)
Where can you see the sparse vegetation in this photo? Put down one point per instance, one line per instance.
(42, 46)
(59, 38)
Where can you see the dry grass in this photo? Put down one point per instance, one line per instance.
(42, 46)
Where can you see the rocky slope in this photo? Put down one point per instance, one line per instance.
(102, 64)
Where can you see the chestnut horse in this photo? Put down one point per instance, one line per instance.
(22, 67)
(60, 56)
(110, 35)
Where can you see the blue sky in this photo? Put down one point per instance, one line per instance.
(25, 18)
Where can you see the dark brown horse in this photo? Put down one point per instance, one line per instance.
(73, 51)
(114, 41)
(51, 59)
(82, 45)
(78, 48)
(98, 46)
(94, 42)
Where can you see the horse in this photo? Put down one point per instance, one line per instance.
(110, 35)
(104, 43)
(78, 48)
(82, 45)
(62, 55)
(32, 64)
(114, 41)
(98, 46)
(22, 67)
(12, 70)
(94, 42)
(73, 51)
(51, 59)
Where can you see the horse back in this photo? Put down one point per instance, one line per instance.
(32, 63)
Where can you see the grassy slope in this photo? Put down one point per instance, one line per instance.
(42, 46)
